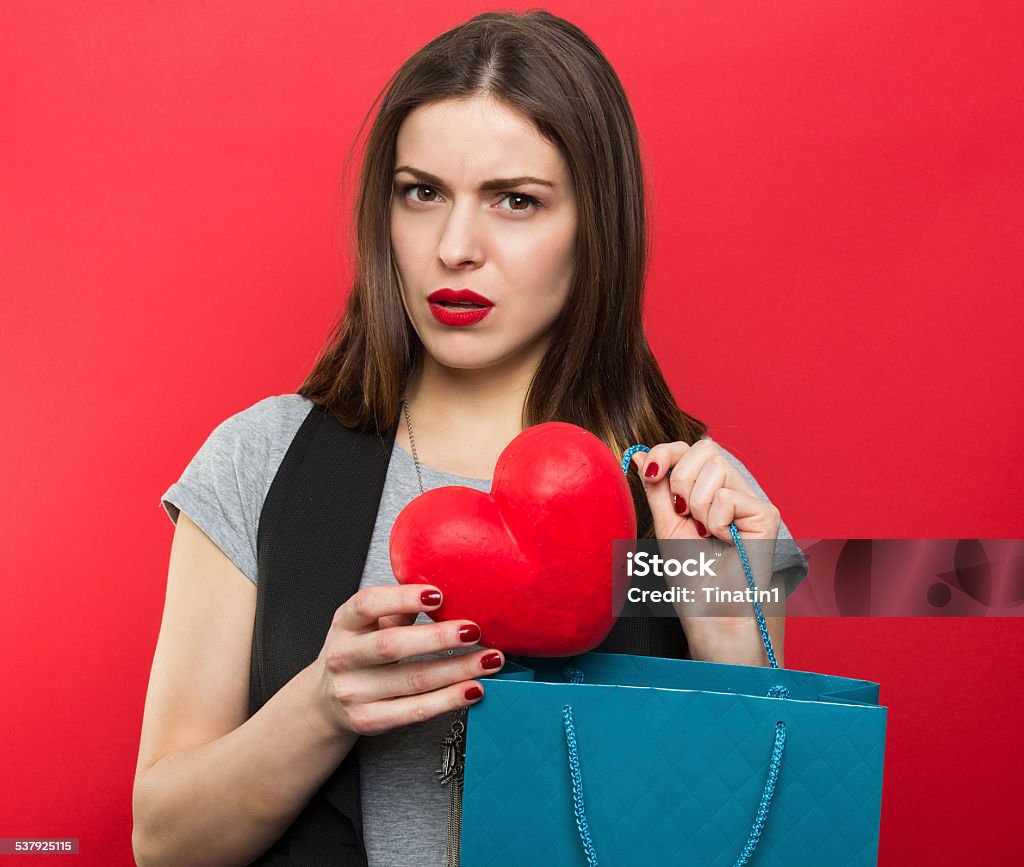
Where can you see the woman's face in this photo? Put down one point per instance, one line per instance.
(481, 202)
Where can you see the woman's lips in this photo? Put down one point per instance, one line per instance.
(459, 296)
(458, 316)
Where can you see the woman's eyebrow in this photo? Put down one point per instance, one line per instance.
(495, 184)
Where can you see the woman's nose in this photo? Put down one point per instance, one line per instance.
(462, 237)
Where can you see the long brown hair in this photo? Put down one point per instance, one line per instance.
(599, 371)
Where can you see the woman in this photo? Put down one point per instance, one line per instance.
(500, 250)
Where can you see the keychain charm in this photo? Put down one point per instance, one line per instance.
(453, 753)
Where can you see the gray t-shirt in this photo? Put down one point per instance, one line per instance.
(223, 489)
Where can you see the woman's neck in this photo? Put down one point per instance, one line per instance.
(462, 419)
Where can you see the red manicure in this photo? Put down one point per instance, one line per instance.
(473, 693)
(469, 633)
(651, 471)
(491, 661)
(701, 529)
(679, 504)
(430, 597)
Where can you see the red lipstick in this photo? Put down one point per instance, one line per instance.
(458, 307)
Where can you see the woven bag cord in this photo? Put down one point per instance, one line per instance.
(575, 675)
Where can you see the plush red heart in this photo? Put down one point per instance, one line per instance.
(530, 562)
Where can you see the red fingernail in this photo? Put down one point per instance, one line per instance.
(651, 471)
(491, 661)
(679, 504)
(469, 633)
(701, 529)
(473, 693)
(430, 597)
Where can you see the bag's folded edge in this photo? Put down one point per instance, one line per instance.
(856, 699)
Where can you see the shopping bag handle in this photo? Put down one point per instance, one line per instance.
(574, 675)
(758, 613)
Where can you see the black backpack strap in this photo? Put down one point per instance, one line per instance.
(313, 539)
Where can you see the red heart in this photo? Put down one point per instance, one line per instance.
(530, 562)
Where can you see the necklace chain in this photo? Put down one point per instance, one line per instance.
(453, 746)
(415, 457)
(412, 443)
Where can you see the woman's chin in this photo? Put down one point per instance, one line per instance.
(474, 352)
(456, 361)
(462, 357)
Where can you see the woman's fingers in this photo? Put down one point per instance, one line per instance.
(754, 517)
(671, 518)
(711, 477)
(423, 676)
(364, 609)
(365, 686)
(381, 716)
(681, 482)
(397, 620)
(368, 654)
(402, 642)
(654, 465)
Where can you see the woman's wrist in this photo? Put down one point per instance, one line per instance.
(732, 640)
(324, 728)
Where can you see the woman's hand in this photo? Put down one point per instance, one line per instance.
(699, 499)
(704, 494)
(364, 687)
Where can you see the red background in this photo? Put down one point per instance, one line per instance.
(836, 289)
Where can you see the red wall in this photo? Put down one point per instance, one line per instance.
(836, 288)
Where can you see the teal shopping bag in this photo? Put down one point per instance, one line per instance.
(644, 761)
(635, 761)
(673, 760)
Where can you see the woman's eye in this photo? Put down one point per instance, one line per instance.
(521, 203)
(429, 190)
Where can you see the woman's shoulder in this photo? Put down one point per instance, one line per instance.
(252, 442)
(224, 485)
(253, 438)
(268, 417)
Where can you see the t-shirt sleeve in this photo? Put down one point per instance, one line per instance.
(790, 563)
(225, 484)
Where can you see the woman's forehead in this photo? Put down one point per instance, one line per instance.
(472, 141)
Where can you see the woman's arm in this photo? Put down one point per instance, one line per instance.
(211, 786)
(695, 492)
